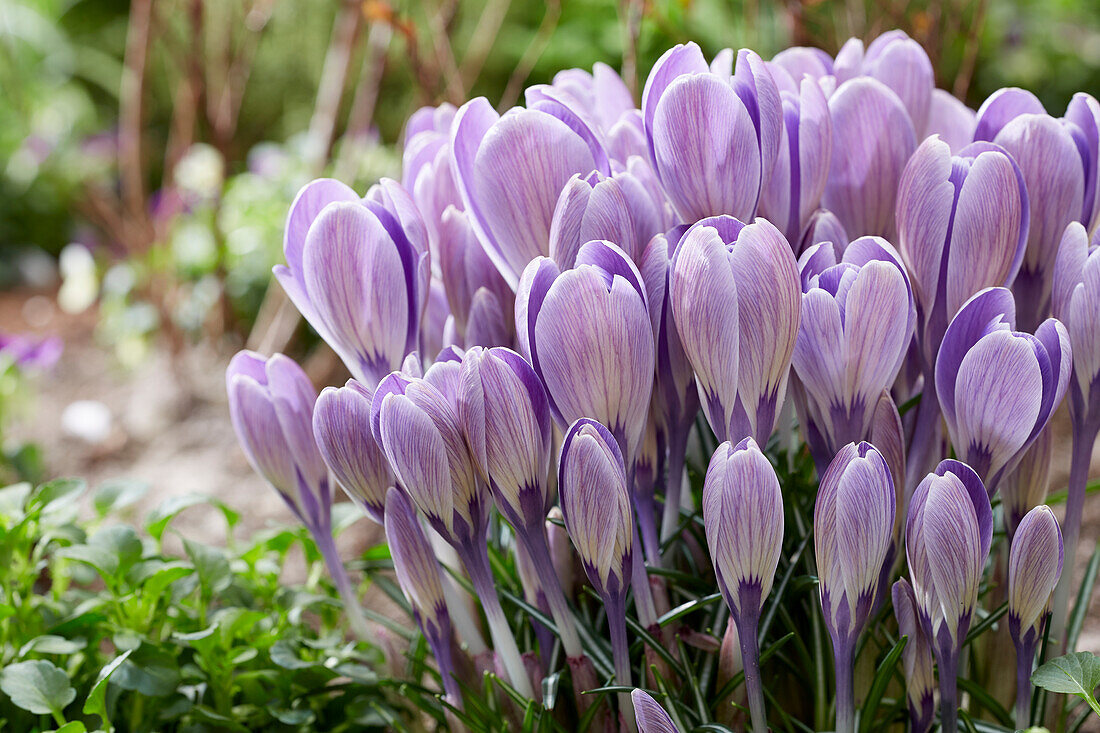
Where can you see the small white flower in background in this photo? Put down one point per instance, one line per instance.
(200, 172)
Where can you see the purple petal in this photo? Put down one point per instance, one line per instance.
(341, 426)
(651, 717)
(951, 120)
(1001, 107)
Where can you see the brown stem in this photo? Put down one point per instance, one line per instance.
(482, 40)
(531, 55)
(334, 77)
(131, 96)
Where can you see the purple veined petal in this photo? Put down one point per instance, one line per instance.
(458, 245)
(706, 149)
(819, 355)
(1055, 345)
(293, 397)
(1034, 566)
(888, 437)
(546, 99)
(445, 374)
(677, 61)
(675, 387)
(1082, 317)
(253, 415)
(1001, 107)
(397, 201)
(651, 717)
(489, 321)
(612, 97)
(704, 301)
(1073, 253)
(430, 119)
(952, 120)
(394, 383)
(848, 63)
(341, 427)
(979, 498)
(784, 82)
(437, 314)
(988, 310)
(872, 140)
(920, 681)
(307, 205)
(753, 83)
(565, 227)
(359, 289)
(1083, 113)
(900, 63)
(722, 64)
(823, 226)
(414, 561)
(250, 364)
(468, 128)
(626, 138)
(799, 61)
(877, 328)
(925, 204)
(537, 278)
(614, 261)
(1025, 487)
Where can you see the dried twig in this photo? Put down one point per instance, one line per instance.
(482, 40)
(131, 107)
(531, 55)
(970, 56)
(334, 76)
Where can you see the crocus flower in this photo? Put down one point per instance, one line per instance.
(798, 180)
(588, 335)
(897, 61)
(947, 537)
(651, 717)
(1000, 108)
(872, 140)
(997, 386)
(271, 406)
(419, 576)
(822, 226)
(920, 682)
(510, 170)
(952, 120)
(599, 97)
(419, 429)
(341, 427)
(426, 169)
(713, 139)
(595, 503)
(799, 61)
(479, 299)
(734, 292)
(29, 352)
(1077, 304)
(743, 519)
(1026, 486)
(1034, 566)
(857, 320)
(356, 276)
(853, 532)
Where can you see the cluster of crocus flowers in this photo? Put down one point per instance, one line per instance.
(535, 317)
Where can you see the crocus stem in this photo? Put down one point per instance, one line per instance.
(750, 660)
(845, 693)
(441, 650)
(475, 556)
(925, 435)
(643, 592)
(948, 667)
(620, 651)
(327, 546)
(1084, 435)
(647, 520)
(1025, 657)
(539, 551)
(677, 449)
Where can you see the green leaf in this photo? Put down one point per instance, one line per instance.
(883, 675)
(150, 671)
(73, 726)
(118, 494)
(12, 500)
(37, 687)
(46, 496)
(1074, 674)
(211, 565)
(50, 644)
(158, 520)
(96, 704)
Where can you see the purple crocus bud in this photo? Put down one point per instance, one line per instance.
(857, 321)
(588, 335)
(419, 576)
(735, 294)
(823, 226)
(618, 209)
(1026, 486)
(800, 61)
(480, 300)
(1083, 122)
(1000, 108)
(1076, 301)
(997, 386)
(872, 140)
(510, 170)
(1034, 567)
(743, 519)
(651, 717)
(341, 427)
(392, 196)
(853, 533)
(794, 190)
(920, 681)
(947, 537)
(355, 276)
(271, 406)
(713, 139)
(1051, 165)
(601, 97)
(900, 63)
(426, 166)
(962, 226)
(952, 120)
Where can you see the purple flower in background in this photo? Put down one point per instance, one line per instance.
(341, 427)
(480, 301)
(427, 172)
(857, 321)
(952, 120)
(1025, 487)
(797, 183)
(997, 386)
(799, 61)
(510, 170)
(920, 681)
(853, 534)
(713, 138)
(1034, 566)
(29, 352)
(947, 537)
(355, 275)
(588, 334)
(872, 140)
(651, 717)
(600, 98)
(743, 519)
(822, 226)
(1000, 108)
(735, 295)
(897, 61)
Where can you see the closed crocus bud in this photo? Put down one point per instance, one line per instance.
(713, 139)
(897, 61)
(341, 427)
(743, 519)
(794, 190)
(920, 681)
(1051, 164)
(479, 299)
(1077, 304)
(997, 386)
(853, 532)
(510, 170)
(651, 717)
(600, 98)
(947, 536)
(952, 120)
(962, 226)
(1083, 122)
(356, 277)
(857, 321)
(426, 168)
(823, 226)
(1000, 108)
(873, 138)
(1025, 487)
(618, 209)
(419, 576)
(1034, 567)
(588, 335)
(271, 406)
(734, 292)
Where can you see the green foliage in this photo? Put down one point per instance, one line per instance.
(1076, 674)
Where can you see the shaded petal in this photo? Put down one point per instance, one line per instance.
(951, 120)
(678, 60)
(341, 426)
(651, 717)
(1034, 566)
(1001, 107)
